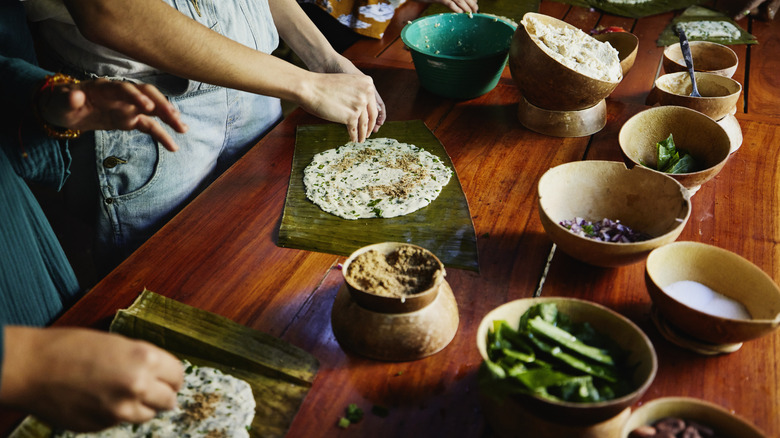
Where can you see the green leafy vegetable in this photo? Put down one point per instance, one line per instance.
(669, 159)
(352, 414)
(550, 356)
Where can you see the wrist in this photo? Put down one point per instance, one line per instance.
(41, 100)
(16, 381)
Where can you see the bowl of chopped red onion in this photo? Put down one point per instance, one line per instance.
(604, 214)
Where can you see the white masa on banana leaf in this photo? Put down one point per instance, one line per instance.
(378, 178)
(209, 404)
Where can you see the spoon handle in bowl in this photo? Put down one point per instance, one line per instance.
(686, 51)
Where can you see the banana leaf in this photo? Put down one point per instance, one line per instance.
(444, 227)
(280, 374)
(636, 10)
(511, 9)
(697, 13)
(579, 3)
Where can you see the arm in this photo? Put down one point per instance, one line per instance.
(300, 33)
(149, 30)
(86, 380)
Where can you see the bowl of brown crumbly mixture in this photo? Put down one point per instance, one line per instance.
(393, 277)
(395, 304)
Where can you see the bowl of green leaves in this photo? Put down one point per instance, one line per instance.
(562, 360)
(676, 141)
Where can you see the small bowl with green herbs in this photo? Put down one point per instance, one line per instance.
(561, 358)
(676, 141)
(604, 214)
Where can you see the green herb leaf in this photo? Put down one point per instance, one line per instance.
(354, 413)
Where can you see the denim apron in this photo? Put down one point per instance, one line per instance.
(140, 184)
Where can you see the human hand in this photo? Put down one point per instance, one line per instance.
(104, 104)
(86, 380)
(468, 6)
(341, 65)
(350, 99)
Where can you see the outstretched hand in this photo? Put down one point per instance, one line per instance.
(468, 6)
(104, 104)
(86, 380)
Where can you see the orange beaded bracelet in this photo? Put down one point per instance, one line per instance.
(48, 84)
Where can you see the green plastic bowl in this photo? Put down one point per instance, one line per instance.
(459, 56)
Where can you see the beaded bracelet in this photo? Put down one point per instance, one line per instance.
(53, 131)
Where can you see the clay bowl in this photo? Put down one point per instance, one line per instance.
(694, 132)
(724, 423)
(719, 93)
(723, 271)
(379, 303)
(544, 81)
(647, 201)
(393, 328)
(504, 414)
(627, 45)
(707, 57)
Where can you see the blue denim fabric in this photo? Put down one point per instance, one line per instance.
(142, 185)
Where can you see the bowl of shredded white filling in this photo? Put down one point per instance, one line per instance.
(559, 67)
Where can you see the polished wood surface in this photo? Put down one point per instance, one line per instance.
(219, 254)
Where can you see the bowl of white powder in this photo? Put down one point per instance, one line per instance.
(710, 294)
(559, 67)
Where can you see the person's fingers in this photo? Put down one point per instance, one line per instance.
(169, 369)
(373, 114)
(77, 99)
(159, 396)
(131, 93)
(381, 112)
(150, 126)
(454, 7)
(352, 128)
(132, 411)
(164, 109)
(362, 126)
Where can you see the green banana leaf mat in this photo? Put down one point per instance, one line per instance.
(698, 13)
(443, 227)
(279, 373)
(635, 10)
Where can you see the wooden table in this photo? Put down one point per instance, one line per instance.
(220, 254)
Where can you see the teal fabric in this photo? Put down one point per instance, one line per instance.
(36, 280)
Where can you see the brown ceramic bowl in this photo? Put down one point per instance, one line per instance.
(723, 423)
(544, 81)
(627, 45)
(719, 93)
(385, 304)
(707, 57)
(723, 271)
(647, 201)
(394, 329)
(694, 132)
(604, 320)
